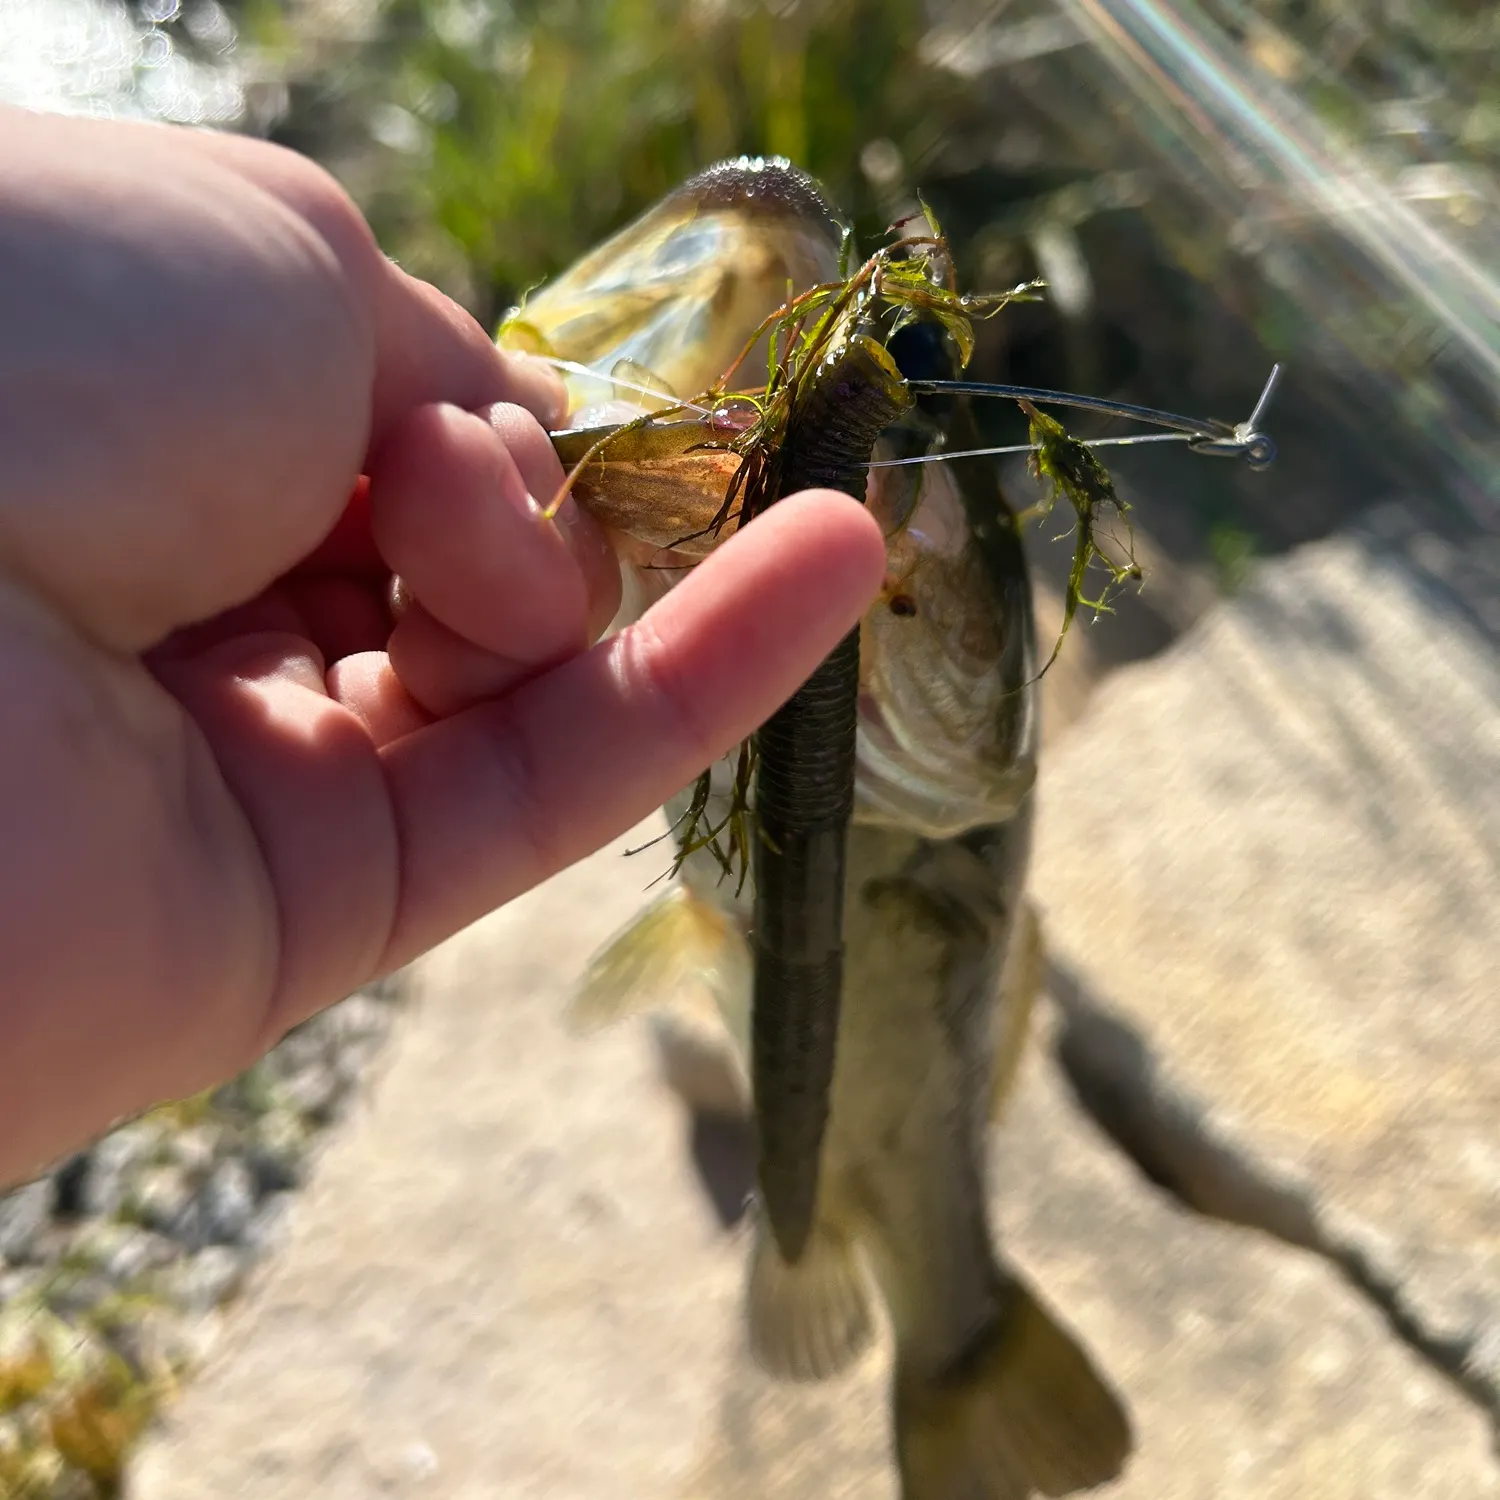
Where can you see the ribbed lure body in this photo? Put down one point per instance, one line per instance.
(804, 800)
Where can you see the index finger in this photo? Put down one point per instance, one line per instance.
(495, 799)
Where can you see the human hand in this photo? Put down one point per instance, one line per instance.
(230, 791)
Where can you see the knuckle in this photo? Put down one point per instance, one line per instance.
(674, 704)
(519, 773)
(318, 198)
(529, 445)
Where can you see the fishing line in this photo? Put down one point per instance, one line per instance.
(1109, 442)
(574, 368)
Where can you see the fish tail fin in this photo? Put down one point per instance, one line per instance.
(1024, 1413)
(811, 1319)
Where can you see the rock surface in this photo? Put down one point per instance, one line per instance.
(505, 1279)
(1254, 1371)
(1251, 1371)
(1270, 867)
(120, 1258)
(502, 1278)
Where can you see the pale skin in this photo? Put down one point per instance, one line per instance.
(231, 790)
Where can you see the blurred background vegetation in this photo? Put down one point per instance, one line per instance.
(1206, 187)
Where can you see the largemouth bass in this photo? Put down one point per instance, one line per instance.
(992, 1400)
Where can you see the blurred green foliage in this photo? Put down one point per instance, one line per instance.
(493, 141)
(512, 136)
(1424, 70)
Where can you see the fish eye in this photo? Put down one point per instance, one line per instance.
(903, 605)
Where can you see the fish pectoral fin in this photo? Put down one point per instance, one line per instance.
(1023, 1414)
(811, 1319)
(677, 951)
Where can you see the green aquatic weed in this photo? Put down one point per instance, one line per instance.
(1084, 482)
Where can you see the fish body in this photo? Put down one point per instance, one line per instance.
(992, 1400)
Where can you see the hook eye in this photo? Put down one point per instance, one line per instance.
(1260, 451)
(1254, 447)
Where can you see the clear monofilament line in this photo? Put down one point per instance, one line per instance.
(1111, 442)
(574, 368)
(1192, 426)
